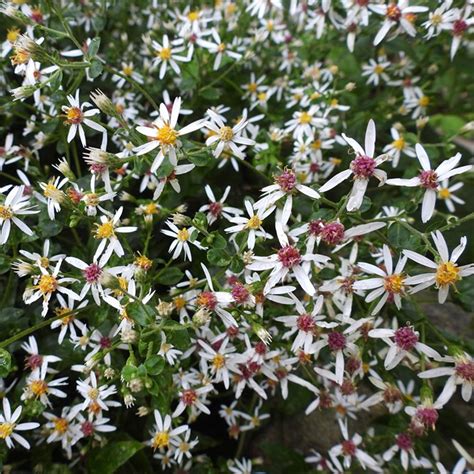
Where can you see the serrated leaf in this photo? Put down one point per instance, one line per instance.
(139, 314)
(218, 257)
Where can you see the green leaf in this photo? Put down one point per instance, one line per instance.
(5, 363)
(96, 68)
(218, 257)
(55, 83)
(401, 237)
(218, 241)
(107, 460)
(139, 314)
(155, 365)
(94, 47)
(200, 159)
(169, 276)
(50, 228)
(450, 125)
(128, 372)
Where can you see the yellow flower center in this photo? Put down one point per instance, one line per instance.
(183, 234)
(316, 145)
(436, 19)
(6, 429)
(444, 193)
(194, 15)
(92, 199)
(226, 134)
(165, 54)
(161, 440)
(394, 283)
(379, 69)
(447, 274)
(179, 302)
(304, 118)
(424, 101)
(93, 393)
(399, 143)
(60, 425)
(39, 387)
(74, 115)
(12, 34)
(5, 213)
(52, 192)
(254, 222)
(166, 135)
(262, 96)
(47, 284)
(334, 103)
(20, 56)
(143, 262)
(105, 230)
(218, 361)
(221, 48)
(252, 87)
(127, 70)
(150, 209)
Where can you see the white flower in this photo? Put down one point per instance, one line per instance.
(375, 70)
(252, 224)
(76, 116)
(446, 272)
(167, 350)
(9, 426)
(216, 208)
(16, 204)
(243, 466)
(396, 14)
(446, 194)
(227, 138)
(37, 387)
(219, 48)
(163, 134)
(388, 284)
(53, 196)
(430, 179)
(106, 232)
(218, 358)
(405, 339)
(168, 53)
(182, 238)
(397, 147)
(362, 168)
(288, 260)
(94, 395)
(163, 434)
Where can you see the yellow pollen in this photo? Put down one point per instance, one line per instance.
(105, 230)
(127, 70)
(379, 69)
(20, 56)
(394, 283)
(315, 95)
(12, 34)
(60, 425)
(254, 222)
(304, 118)
(226, 134)
(39, 387)
(74, 115)
(93, 393)
(255, 421)
(221, 48)
(179, 302)
(161, 440)
(52, 192)
(316, 145)
(424, 101)
(444, 193)
(92, 199)
(166, 135)
(447, 274)
(218, 361)
(143, 262)
(193, 16)
(262, 96)
(6, 429)
(183, 234)
(436, 19)
(252, 87)
(150, 209)
(47, 284)
(44, 262)
(5, 213)
(165, 54)
(399, 143)
(334, 103)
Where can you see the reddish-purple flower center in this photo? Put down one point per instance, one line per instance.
(87, 428)
(428, 416)
(363, 166)
(289, 256)
(404, 441)
(286, 181)
(465, 370)
(428, 179)
(215, 208)
(92, 273)
(260, 348)
(333, 233)
(189, 396)
(406, 338)
(34, 361)
(105, 342)
(240, 293)
(207, 299)
(348, 447)
(316, 227)
(336, 341)
(305, 323)
(459, 27)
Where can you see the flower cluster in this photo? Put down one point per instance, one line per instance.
(211, 218)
